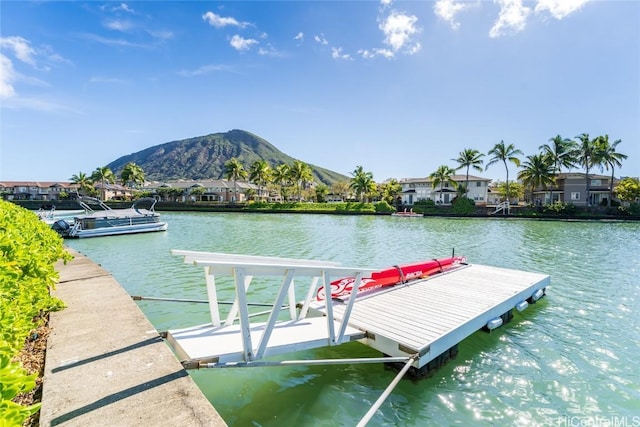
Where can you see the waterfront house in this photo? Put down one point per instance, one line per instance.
(571, 187)
(422, 189)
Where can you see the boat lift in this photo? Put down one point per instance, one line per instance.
(423, 329)
(225, 344)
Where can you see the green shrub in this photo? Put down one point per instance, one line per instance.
(463, 206)
(384, 207)
(632, 210)
(29, 250)
(560, 209)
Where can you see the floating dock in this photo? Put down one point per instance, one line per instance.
(414, 324)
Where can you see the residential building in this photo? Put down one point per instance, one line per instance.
(571, 187)
(214, 190)
(36, 190)
(422, 189)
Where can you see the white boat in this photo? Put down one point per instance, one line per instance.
(50, 215)
(111, 222)
(409, 214)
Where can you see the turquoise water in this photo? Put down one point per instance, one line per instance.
(570, 360)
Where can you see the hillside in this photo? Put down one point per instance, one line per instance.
(203, 157)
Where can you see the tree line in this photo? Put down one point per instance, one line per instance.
(537, 171)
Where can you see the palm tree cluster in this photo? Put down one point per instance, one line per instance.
(131, 176)
(294, 179)
(539, 171)
(283, 177)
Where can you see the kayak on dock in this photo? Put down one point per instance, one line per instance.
(393, 275)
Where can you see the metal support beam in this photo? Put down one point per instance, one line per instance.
(262, 364)
(371, 412)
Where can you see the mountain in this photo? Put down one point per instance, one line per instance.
(203, 157)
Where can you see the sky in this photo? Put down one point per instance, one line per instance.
(398, 88)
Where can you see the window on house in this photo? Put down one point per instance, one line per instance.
(575, 195)
(478, 184)
(596, 182)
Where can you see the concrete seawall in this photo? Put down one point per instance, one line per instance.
(106, 365)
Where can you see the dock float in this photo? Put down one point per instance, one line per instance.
(415, 324)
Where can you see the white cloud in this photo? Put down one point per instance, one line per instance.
(270, 51)
(161, 34)
(320, 39)
(559, 9)
(7, 76)
(124, 7)
(119, 25)
(205, 69)
(21, 48)
(447, 10)
(112, 42)
(240, 43)
(398, 29)
(336, 53)
(299, 37)
(370, 54)
(221, 22)
(512, 18)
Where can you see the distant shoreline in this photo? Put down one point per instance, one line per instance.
(34, 205)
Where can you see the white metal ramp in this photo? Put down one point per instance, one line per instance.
(230, 342)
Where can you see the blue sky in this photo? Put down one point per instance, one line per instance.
(397, 87)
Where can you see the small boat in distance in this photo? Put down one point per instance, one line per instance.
(407, 214)
(395, 275)
(111, 222)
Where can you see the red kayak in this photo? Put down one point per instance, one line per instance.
(393, 276)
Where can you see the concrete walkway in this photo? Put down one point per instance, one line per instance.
(106, 365)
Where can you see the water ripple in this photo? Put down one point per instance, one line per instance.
(574, 354)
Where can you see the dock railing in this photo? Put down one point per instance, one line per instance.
(243, 268)
(502, 207)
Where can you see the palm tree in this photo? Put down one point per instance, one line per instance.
(233, 169)
(281, 177)
(362, 183)
(469, 158)
(321, 192)
(83, 181)
(389, 190)
(560, 153)
(341, 188)
(300, 173)
(584, 153)
(503, 153)
(260, 173)
(537, 172)
(132, 174)
(103, 174)
(606, 155)
(440, 176)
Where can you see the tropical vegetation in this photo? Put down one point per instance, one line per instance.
(504, 153)
(296, 181)
(29, 250)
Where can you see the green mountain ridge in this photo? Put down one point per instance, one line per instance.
(203, 157)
